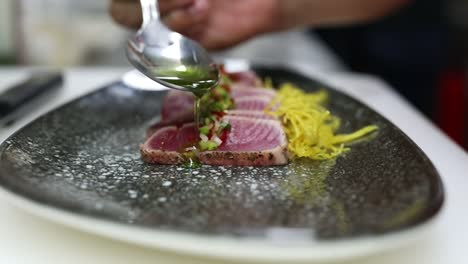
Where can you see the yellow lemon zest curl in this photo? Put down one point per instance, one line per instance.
(309, 126)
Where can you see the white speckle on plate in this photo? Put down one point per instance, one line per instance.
(133, 194)
(167, 183)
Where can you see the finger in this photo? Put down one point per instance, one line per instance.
(216, 41)
(183, 20)
(179, 21)
(199, 8)
(166, 6)
(126, 13)
(195, 32)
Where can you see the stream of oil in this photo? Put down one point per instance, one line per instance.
(197, 82)
(194, 80)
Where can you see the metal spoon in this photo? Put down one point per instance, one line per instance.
(168, 57)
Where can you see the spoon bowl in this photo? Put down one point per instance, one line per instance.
(168, 57)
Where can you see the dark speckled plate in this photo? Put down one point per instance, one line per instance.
(83, 159)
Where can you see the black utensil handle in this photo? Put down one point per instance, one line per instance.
(23, 92)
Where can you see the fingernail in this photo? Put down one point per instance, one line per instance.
(199, 7)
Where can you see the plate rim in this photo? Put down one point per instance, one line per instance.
(225, 247)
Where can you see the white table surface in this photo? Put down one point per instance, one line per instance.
(25, 238)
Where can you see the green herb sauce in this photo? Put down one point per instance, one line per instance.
(193, 79)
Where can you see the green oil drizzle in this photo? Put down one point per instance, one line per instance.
(196, 112)
(194, 79)
(308, 185)
(404, 215)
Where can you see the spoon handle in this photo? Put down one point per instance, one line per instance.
(150, 11)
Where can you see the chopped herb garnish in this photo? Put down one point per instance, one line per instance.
(208, 145)
(214, 106)
(226, 80)
(205, 130)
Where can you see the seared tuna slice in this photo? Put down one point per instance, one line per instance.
(257, 103)
(251, 142)
(167, 144)
(242, 90)
(176, 104)
(250, 113)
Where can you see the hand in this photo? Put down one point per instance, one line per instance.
(216, 24)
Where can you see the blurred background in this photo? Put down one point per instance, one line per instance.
(422, 50)
(59, 33)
